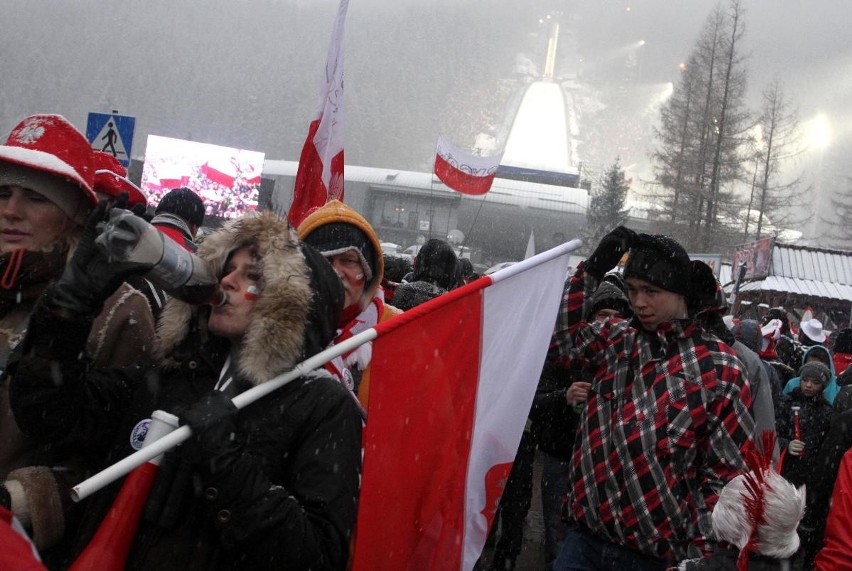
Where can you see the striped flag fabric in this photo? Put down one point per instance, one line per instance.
(319, 177)
(452, 384)
(462, 171)
(18, 552)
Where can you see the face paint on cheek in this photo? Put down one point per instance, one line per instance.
(252, 293)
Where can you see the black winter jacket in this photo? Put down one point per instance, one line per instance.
(289, 500)
(814, 419)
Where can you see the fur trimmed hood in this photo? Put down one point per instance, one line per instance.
(297, 312)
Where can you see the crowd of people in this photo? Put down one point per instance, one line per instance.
(671, 434)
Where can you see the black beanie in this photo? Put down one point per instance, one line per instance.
(661, 261)
(336, 237)
(609, 296)
(815, 370)
(184, 203)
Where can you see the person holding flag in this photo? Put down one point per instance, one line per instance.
(664, 421)
(271, 485)
(352, 247)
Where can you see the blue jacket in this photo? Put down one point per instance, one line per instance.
(831, 389)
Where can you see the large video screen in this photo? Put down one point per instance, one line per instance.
(227, 179)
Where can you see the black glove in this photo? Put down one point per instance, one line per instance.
(90, 277)
(214, 445)
(610, 250)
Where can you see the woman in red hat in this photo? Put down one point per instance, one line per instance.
(47, 176)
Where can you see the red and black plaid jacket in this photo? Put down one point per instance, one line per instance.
(666, 418)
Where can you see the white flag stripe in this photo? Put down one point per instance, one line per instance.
(479, 166)
(545, 256)
(518, 319)
(329, 137)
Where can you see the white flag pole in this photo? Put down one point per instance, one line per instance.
(242, 400)
(125, 466)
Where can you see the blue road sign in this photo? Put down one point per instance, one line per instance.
(112, 134)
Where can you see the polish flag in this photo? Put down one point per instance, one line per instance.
(462, 171)
(452, 384)
(320, 174)
(838, 537)
(18, 552)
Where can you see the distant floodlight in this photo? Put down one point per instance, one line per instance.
(820, 132)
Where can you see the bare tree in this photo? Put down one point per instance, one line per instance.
(703, 127)
(779, 146)
(838, 231)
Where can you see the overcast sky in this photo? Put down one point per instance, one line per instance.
(807, 44)
(261, 60)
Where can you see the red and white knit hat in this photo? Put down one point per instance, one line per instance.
(111, 180)
(47, 154)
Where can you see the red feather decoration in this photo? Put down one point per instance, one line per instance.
(759, 462)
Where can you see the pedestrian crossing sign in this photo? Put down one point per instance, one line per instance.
(112, 134)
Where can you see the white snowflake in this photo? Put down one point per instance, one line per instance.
(31, 132)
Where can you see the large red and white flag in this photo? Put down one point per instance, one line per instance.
(452, 384)
(320, 174)
(462, 171)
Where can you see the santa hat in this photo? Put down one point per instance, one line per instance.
(47, 154)
(111, 180)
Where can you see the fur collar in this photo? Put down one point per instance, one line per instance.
(275, 338)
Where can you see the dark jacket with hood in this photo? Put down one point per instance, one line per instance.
(831, 388)
(814, 418)
(289, 502)
(434, 273)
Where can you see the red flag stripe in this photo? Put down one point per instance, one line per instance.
(461, 181)
(452, 382)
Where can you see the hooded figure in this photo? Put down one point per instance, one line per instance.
(434, 274)
(803, 417)
(818, 353)
(350, 244)
(273, 484)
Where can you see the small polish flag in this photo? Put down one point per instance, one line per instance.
(462, 171)
(452, 384)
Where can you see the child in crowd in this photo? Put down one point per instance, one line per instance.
(802, 420)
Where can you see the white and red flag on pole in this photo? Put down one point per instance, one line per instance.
(320, 174)
(462, 171)
(452, 384)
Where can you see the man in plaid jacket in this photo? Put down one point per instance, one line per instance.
(665, 419)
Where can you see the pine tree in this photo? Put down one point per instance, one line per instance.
(703, 128)
(606, 208)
